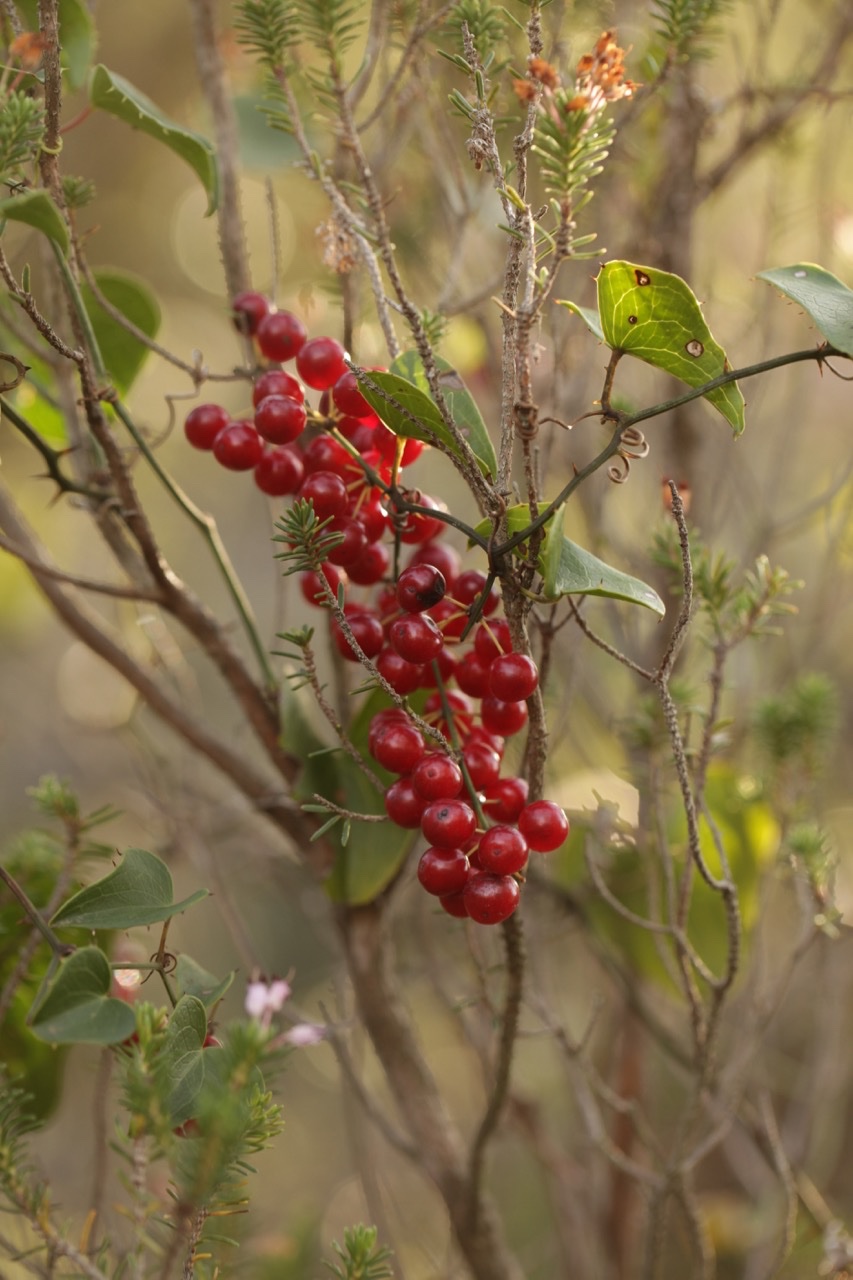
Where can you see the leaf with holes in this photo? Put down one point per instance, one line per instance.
(655, 316)
(36, 209)
(114, 94)
(77, 1007)
(825, 298)
(138, 892)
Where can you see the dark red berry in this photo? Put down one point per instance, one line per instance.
(483, 764)
(505, 799)
(403, 804)
(348, 398)
(469, 586)
(544, 825)
(248, 310)
(505, 718)
(321, 362)
(491, 640)
(366, 630)
(354, 540)
(420, 587)
(399, 748)
(458, 704)
(281, 336)
(419, 527)
(204, 423)
(441, 556)
(443, 871)
(472, 676)
(454, 904)
(490, 899)
(324, 453)
(309, 584)
(416, 638)
(238, 447)
(437, 777)
(404, 677)
(280, 471)
(446, 664)
(327, 492)
(448, 823)
(513, 677)
(280, 419)
(380, 722)
(277, 382)
(371, 565)
(502, 851)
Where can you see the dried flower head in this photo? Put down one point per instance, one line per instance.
(600, 75)
(544, 72)
(339, 250)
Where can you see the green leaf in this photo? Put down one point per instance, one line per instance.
(37, 209)
(825, 298)
(77, 36)
(182, 1057)
(406, 382)
(120, 98)
(77, 1007)
(569, 570)
(655, 316)
(138, 892)
(122, 353)
(191, 980)
(589, 315)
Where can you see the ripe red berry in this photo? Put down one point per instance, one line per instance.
(420, 587)
(491, 640)
(454, 904)
(448, 823)
(443, 871)
(513, 677)
(366, 630)
(505, 799)
(403, 804)
(354, 539)
(441, 556)
(280, 336)
(324, 453)
(502, 851)
(437, 777)
(280, 471)
(472, 676)
(544, 825)
(348, 398)
(277, 382)
(416, 638)
(238, 447)
(482, 762)
(204, 423)
(490, 899)
(280, 419)
(371, 565)
(381, 721)
(404, 677)
(309, 583)
(248, 310)
(327, 492)
(505, 718)
(321, 362)
(399, 748)
(419, 527)
(470, 585)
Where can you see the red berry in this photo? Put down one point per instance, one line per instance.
(416, 638)
(491, 640)
(281, 336)
(502, 851)
(321, 362)
(248, 310)
(441, 556)
(483, 764)
(280, 471)
(309, 583)
(325, 454)
(354, 539)
(399, 749)
(280, 419)
(448, 823)
(490, 899)
(443, 871)
(505, 718)
(454, 904)
(348, 398)
(404, 677)
(472, 676)
(380, 722)
(544, 825)
(238, 447)
(327, 492)
(469, 586)
(460, 707)
(419, 527)
(446, 664)
(505, 799)
(277, 382)
(437, 777)
(367, 631)
(371, 566)
(420, 587)
(204, 423)
(513, 677)
(403, 804)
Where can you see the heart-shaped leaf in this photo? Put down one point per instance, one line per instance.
(182, 1057)
(139, 891)
(825, 298)
(655, 316)
(122, 353)
(36, 209)
(569, 570)
(191, 980)
(112, 93)
(77, 1007)
(406, 407)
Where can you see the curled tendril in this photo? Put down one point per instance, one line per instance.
(633, 445)
(166, 959)
(21, 371)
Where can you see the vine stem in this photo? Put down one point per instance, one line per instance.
(35, 916)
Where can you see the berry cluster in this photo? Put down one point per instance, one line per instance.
(479, 825)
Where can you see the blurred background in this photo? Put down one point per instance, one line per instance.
(741, 165)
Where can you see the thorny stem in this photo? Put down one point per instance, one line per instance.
(307, 654)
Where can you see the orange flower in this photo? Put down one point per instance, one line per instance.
(524, 90)
(544, 72)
